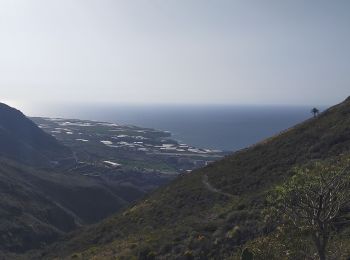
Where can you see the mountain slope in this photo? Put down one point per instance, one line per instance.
(23, 141)
(214, 210)
(40, 202)
(36, 207)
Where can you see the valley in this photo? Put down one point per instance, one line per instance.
(218, 211)
(76, 173)
(123, 192)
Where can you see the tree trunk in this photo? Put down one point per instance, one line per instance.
(321, 245)
(322, 254)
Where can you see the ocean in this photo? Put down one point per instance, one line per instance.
(227, 128)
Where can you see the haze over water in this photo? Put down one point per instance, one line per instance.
(226, 128)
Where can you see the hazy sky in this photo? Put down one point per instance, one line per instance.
(175, 51)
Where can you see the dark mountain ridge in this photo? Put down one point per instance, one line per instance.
(24, 141)
(213, 211)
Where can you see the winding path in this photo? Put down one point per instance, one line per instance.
(210, 187)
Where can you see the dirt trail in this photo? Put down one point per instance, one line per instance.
(211, 188)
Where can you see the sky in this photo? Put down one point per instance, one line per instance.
(174, 51)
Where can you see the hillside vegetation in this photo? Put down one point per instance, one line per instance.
(214, 211)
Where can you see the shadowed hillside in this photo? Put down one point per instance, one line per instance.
(36, 207)
(24, 141)
(212, 211)
(39, 201)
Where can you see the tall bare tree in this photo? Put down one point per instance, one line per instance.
(313, 198)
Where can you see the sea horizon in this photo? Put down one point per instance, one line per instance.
(221, 127)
